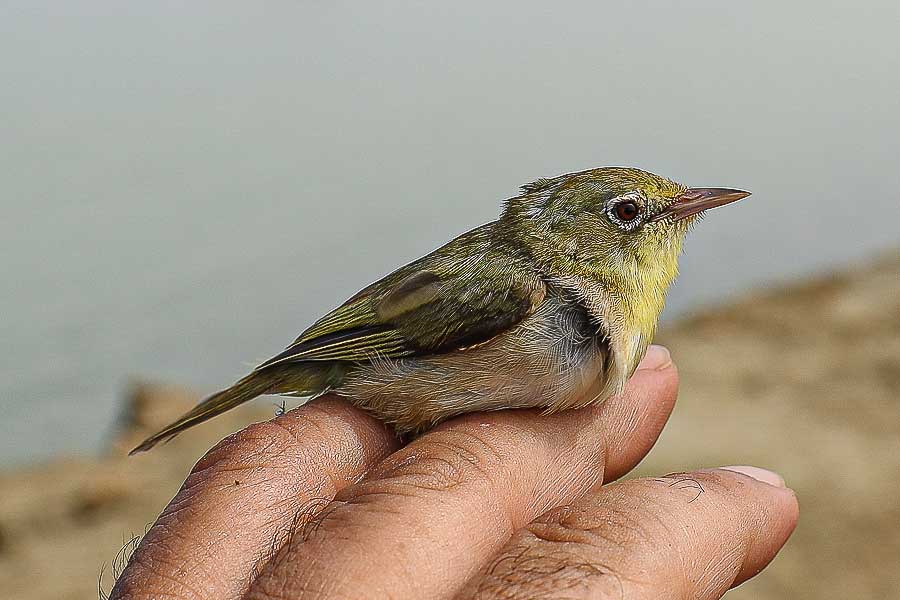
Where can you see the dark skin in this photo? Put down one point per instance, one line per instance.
(323, 502)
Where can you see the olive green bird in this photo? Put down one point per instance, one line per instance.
(551, 306)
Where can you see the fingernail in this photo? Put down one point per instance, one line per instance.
(763, 475)
(657, 358)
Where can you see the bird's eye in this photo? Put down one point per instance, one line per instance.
(627, 211)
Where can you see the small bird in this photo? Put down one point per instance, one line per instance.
(551, 306)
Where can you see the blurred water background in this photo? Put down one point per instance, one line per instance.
(184, 187)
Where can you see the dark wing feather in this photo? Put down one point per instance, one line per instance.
(439, 303)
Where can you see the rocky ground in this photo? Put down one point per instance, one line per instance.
(804, 380)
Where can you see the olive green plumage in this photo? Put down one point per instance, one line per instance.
(550, 306)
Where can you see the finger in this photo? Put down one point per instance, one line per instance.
(427, 518)
(688, 536)
(246, 495)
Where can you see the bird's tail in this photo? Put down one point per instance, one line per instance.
(248, 388)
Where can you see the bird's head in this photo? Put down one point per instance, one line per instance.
(614, 235)
(614, 220)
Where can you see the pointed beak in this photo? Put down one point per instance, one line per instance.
(697, 200)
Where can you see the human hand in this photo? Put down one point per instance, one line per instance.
(322, 502)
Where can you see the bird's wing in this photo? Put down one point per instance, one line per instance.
(425, 308)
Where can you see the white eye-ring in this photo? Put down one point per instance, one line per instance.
(626, 211)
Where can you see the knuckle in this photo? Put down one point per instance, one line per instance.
(619, 531)
(266, 447)
(645, 524)
(251, 447)
(265, 456)
(443, 462)
(609, 526)
(551, 560)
